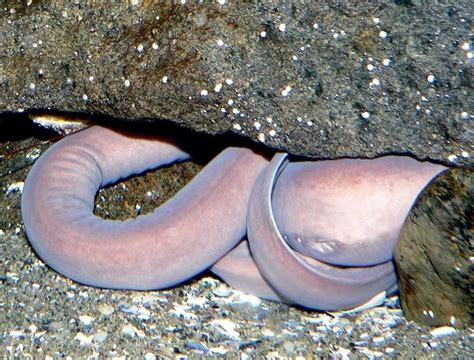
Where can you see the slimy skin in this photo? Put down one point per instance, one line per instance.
(239, 270)
(312, 284)
(181, 238)
(321, 233)
(348, 212)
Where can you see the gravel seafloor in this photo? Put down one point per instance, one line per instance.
(45, 315)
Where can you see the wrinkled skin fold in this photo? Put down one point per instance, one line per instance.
(321, 234)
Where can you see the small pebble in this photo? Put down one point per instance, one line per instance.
(131, 331)
(181, 312)
(239, 298)
(12, 277)
(106, 309)
(222, 291)
(194, 345)
(342, 353)
(220, 350)
(443, 331)
(138, 311)
(267, 333)
(55, 326)
(378, 340)
(227, 327)
(86, 319)
(17, 334)
(100, 336)
(83, 339)
(197, 301)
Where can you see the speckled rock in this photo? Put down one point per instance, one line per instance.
(435, 254)
(322, 79)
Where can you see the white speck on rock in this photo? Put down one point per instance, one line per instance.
(465, 46)
(453, 158)
(286, 91)
(374, 82)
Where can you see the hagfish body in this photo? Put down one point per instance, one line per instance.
(321, 234)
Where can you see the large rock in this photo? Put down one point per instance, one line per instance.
(322, 79)
(435, 254)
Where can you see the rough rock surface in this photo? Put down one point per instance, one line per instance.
(435, 254)
(322, 79)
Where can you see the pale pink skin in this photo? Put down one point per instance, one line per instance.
(348, 212)
(238, 269)
(207, 218)
(181, 238)
(355, 185)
